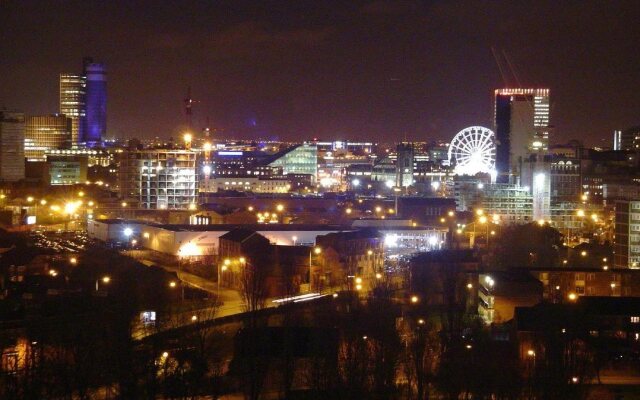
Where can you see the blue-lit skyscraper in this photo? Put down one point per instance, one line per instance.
(96, 102)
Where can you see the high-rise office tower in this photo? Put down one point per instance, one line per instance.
(96, 102)
(46, 132)
(72, 103)
(521, 127)
(11, 146)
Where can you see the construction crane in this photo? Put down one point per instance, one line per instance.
(188, 107)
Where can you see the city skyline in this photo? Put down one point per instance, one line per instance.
(329, 70)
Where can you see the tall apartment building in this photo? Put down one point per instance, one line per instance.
(626, 245)
(159, 178)
(11, 146)
(521, 124)
(72, 103)
(46, 132)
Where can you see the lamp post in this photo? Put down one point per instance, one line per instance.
(396, 190)
(222, 268)
(317, 251)
(105, 279)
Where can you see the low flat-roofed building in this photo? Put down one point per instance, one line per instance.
(196, 240)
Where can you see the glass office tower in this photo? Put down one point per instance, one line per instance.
(72, 103)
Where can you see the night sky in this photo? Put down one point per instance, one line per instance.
(295, 70)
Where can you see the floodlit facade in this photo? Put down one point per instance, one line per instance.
(521, 120)
(11, 146)
(159, 178)
(72, 103)
(46, 132)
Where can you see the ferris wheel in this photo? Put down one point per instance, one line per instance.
(473, 150)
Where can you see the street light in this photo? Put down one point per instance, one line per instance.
(105, 279)
(414, 299)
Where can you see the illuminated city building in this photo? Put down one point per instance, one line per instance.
(101, 157)
(404, 165)
(159, 178)
(629, 139)
(72, 103)
(357, 148)
(12, 127)
(96, 103)
(46, 132)
(511, 203)
(626, 247)
(299, 159)
(67, 169)
(521, 118)
(246, 184)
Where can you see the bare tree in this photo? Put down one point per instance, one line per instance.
(253, 289)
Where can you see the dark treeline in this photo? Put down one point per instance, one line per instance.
(344, 347)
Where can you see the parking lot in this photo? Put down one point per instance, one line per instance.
(62, 241)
